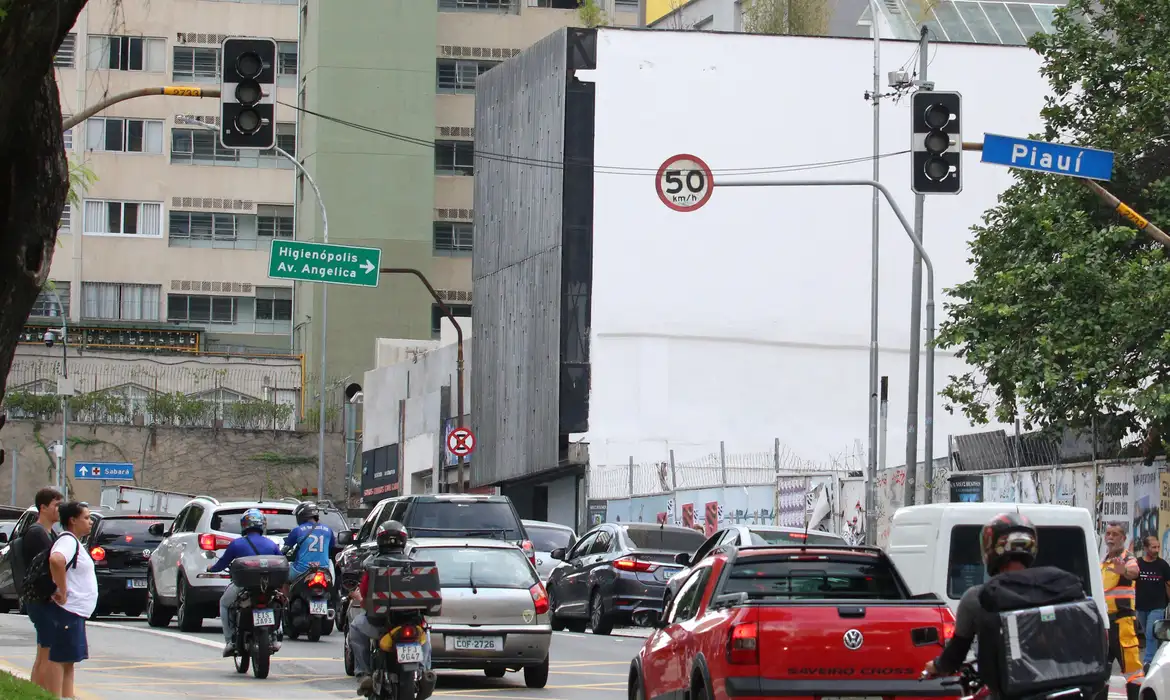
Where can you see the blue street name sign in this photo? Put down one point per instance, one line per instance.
(113, 471)
(1053, 158)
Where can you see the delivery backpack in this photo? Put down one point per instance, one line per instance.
(38, 581)
(1039, 633)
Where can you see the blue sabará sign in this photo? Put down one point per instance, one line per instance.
(114, 471)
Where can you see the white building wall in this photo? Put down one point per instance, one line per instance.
(562, 501)
(754, 314)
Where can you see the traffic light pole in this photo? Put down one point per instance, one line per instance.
(874, 274)
(171, 90)
(915, 338)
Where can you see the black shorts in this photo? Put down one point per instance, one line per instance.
(68, 643)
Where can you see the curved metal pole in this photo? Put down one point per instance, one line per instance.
(172, 90)
(917, 242)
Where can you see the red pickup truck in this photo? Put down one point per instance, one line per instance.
(824, 622)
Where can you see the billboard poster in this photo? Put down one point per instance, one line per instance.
(1116, 498)
(967, 488)
(596, 512)
(1164, 515)
(1146, 502)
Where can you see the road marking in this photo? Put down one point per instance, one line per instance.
(160, 633)
(23, 674)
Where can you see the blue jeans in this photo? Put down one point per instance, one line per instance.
(1147, 618)
(226, 602)
(359, 637)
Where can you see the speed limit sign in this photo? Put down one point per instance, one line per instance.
(684, 182)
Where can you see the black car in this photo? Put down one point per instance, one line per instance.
(120, 545)
(614, 569)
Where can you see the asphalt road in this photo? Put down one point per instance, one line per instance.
(131, 661)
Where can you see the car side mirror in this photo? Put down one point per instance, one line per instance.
(3, 538)
(345, 539)
(558, 554)
(682, 558)
(647, 617)
(1162, 630)
(156, 529)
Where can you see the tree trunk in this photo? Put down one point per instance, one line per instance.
(34, 175)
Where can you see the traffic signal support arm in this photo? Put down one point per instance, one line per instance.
(172, 90)
(1140, 222)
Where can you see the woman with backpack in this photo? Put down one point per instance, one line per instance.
(73, 601)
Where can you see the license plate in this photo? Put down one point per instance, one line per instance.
(478, 643)
(136, 583)
(671, 573)
(264, 618)
(409, 653)
(318, 607)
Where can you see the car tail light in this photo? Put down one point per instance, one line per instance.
(317, 580)
(539, 598)
(631, 564)
(97, 554)
(948, 631)
(743, 645)
(211, 543)
(529, 549)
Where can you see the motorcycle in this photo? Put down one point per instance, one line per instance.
(397, 659)
(258, 612)
(974, 689)
(311, 604)
(349, 582)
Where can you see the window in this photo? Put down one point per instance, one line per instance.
(454, 158)
(450, 518)
(837, 576)
(453, 236)
(120, 302)
(118, 135)
(765, 536)
(479, 567)
(196, 64)
(130, 53)
(583, 545)
(46, 304)
(286, 140)
(558, 4)
(66, 225)
(66, 52)
(626, 5)
(202, 147)
(546, 539)
(459, 76)
(131, 529)
(1064, 547)
(667, 540)
(286, 60)
(603, 543)
(280, 522)
(68, 135)
(123, 218)
(490, 5)
(274, 221)
(273, 303)
(457, 310)
(201, 226)
(686, 602)
(198, 308)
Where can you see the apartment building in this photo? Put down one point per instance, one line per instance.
(170, 246)
(405, 69)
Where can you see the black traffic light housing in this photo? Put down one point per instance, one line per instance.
(937, 142)
(247, 98)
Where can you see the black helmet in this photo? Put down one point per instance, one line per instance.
(307, 511)
(391, 537)
(1008, 537)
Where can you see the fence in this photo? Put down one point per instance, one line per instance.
(211, 392)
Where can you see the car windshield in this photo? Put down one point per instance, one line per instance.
(762, 537)
(665, 539)
(280, 522)
(1064, 548)
(334, 521)
(494, 519)
(129, 530)
(546, 539)
(821, 577)
(479, 567)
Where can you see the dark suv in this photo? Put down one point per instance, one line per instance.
(437, 515)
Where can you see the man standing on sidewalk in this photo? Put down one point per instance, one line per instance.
(1153, 586)
(38, 538)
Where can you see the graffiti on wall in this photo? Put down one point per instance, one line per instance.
(745, 505)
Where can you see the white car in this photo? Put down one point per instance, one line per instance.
(178, 584)
(1156, 685)
(546, 537)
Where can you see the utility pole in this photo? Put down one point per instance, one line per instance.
(916, 317)
(875, 239)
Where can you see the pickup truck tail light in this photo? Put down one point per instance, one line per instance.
(631, 564)
(948, 631)
(743, 645)
(539, 599)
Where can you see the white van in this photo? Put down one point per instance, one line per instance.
(936, 547)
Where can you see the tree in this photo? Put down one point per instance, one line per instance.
(789, 17)
(34, 174)
(591, 14)
(1065, 318)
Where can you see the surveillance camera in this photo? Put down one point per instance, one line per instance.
(50, 338)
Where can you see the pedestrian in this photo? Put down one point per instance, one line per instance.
(36, 539)
(1153, 593)
(74, 600)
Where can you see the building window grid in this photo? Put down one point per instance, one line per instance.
(124, 135)
(983, 21)
(273, 304)
(275, 222)
(454, 236)
(127, 53)
(458, 76)
(67, 52)
(286, 58)
(457, 310)
(107, 217)
(202, 147)
(66, 223)
(201, 308)
(109, 301)
(454, 158)
(202, 226)
(46, 304)
(476, 5)
(196, 64)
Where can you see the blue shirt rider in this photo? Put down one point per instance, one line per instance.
(312, 541)
(253, 543)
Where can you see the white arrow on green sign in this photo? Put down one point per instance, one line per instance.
(305, 261)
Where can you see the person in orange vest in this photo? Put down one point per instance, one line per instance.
(1119, 570)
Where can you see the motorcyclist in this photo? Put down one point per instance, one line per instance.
(391, 538)
(311, 541)
(252, 543)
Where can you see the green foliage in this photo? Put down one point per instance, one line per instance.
(257, 415)
(98, 407)
(81, 178)
(180, 410)
(40, 407)
(591, 14)
(312, 424)
(787, 17)
(13, 688)
(276, 459)
(1064, 318)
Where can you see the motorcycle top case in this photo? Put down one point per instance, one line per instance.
(410, 585)
(1052, 647)
(264, 571)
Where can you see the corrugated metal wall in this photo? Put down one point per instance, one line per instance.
(516, 264)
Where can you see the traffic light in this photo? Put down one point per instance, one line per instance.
(247, 98)
(937, 142)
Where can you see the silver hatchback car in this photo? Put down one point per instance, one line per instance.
(495, 609)
(546, 537)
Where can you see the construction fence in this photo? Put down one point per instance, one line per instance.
(253, 394)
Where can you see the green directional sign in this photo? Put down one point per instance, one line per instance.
(304, 261)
